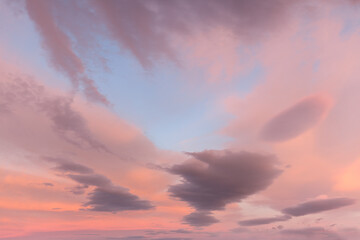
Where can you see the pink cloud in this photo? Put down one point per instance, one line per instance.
(295, 120)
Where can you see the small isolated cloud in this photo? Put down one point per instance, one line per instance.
(295, 120)
(317, 206)
(47, 184)
(317, 233)
(263, 221)
(115, 199)
(200, 219)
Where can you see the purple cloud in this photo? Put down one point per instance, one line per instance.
(59, 47)
(317, 233)
(213, 179)
(295, 120)
(115, 199)
(106, 196)
(200, 219)
(317, 206)
(263, 221)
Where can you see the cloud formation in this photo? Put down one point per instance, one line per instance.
(67, 123)
(312, 233)
(200, 219)
(263, 221)
(63, 165)
(106, 196)
(114, 199)
(317, 206)
(295, 120)
(146, 28)
(213, 179)
(59, 48)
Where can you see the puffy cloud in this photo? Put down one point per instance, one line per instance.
(263, 221)
(295, 120)
(317, 206)
(114, 199)
(200, 219)
(213, 179)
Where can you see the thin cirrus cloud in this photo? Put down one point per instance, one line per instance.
(318, 233)
(106, 196)
(58, 46)
(64, 165)
(263, 221)
(91, 178)
(213, 179)
(19, 91)
(295, 120)
(317, 206)
(147, 29)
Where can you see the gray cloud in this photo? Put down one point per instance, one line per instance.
(47, 184)
(78, 190)
(317, 233)
(59, 47)
(91, 179)
(105, 197)
(63, 165)
(263, 221)
(115, 199)
(160, 232)
(213, 179)
(67, 123)
(145, 28)
(317, 206)
(295, 120)
(126, 238)
(184, 231)
(200, 219)
(172, 238)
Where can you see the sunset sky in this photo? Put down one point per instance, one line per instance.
(180, 119)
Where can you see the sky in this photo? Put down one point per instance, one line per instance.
(179, 120)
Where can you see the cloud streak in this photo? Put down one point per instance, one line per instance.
(106, 196)
(295, 120)
(263, 221)
(312, 233)
(317, 206)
